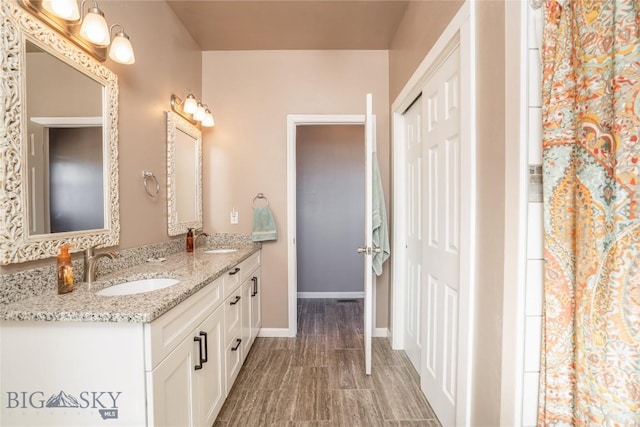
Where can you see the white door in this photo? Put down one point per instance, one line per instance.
(441, 211)
(413, 155)
(367, 250)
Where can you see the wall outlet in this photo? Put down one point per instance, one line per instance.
(234, 216)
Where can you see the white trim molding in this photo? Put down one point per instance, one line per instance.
(275, 333)
(381, 333)
(336, 295)
(516, 188)
(61, 122)
(293, 121)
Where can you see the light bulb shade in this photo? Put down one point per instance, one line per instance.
(121, 50)
(200, 113)
(190, 104)
(208, 119)
(94, 28)
(64, 9)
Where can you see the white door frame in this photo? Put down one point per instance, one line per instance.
(293, 121)
(516, 206)
(460, 32)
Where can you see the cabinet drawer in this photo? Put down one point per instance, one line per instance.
(248, 266)
(165, 333)
(238, 274)
(232, 316)
(231, 281)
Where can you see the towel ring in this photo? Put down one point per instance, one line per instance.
(259, 196)
(146, 177)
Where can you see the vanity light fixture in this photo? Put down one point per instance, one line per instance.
(192, 109)
(190, 104)
(63, 9)
(121, 50)
(200, 113)
(94, 27)
(208, 119)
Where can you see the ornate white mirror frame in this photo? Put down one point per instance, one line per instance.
(183, 187)
(16, 245)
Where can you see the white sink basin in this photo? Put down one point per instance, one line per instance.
(137, 287)
(220, 251)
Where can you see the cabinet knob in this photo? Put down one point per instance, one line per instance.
(234, 271)
(234, 302)
(238, 341)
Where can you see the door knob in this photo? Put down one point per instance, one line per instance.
(364, 250)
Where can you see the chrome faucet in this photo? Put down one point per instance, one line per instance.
(90, 258)
(199, 233)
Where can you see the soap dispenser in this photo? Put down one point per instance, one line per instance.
(65, 270)
(190, 240)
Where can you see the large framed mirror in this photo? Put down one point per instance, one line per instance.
(184, 175)
(58, 143)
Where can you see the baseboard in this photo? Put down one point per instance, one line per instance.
(275, 333)
(339, 295)
(381, 332)
(284, 333)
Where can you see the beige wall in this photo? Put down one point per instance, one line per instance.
(167, 60)
(421, 25)
(251, 93)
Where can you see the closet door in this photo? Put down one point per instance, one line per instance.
(414, 171)
(441, 257)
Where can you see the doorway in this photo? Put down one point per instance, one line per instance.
(330, 210)
(293, 123)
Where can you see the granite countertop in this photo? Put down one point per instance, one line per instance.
(194, 270)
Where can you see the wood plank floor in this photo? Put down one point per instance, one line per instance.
(318, 379)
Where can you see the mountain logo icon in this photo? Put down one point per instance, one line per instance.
(62, 400)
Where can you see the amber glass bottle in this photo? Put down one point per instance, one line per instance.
(190, 240)
(65, 271)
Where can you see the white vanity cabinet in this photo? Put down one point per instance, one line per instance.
(238, 288)
(176, 370)
(187, 387)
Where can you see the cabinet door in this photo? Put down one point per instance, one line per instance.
(245, 334)
(210, 380)
(256, 305)
(170, 402)
(233, 361)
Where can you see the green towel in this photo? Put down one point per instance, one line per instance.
(380, 228)
(264, 227)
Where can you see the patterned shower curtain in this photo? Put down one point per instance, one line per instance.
(590, 372)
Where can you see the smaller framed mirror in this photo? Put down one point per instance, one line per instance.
(184, 175)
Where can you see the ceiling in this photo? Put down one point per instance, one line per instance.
(305, 24)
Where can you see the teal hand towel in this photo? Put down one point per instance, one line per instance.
(264, 227)
(380, 228)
